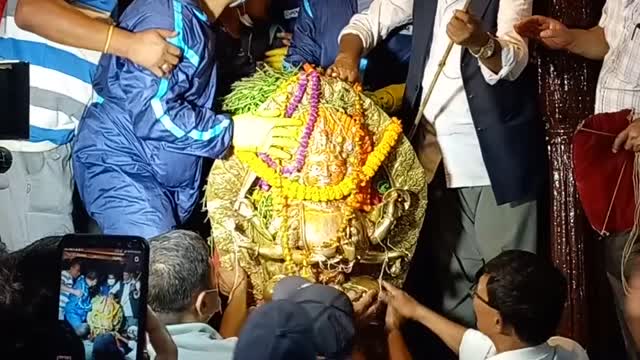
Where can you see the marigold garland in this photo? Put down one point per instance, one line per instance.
(294, 190)
(355, 186)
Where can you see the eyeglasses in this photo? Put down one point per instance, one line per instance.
(473, 290)
(473, 293)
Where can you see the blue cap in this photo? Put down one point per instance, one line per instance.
(331, 313)
(279, 330)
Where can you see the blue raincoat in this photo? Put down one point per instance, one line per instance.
(315, 41)
(78, 307)
(139, 149)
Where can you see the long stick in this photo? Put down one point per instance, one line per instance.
(441, 64)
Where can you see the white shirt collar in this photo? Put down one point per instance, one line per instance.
(540, 352)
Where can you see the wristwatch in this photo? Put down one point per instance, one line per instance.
(487, 50)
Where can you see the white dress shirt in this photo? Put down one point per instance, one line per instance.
(126, 300)
(477, 346)
(619, 81)
(448, 106)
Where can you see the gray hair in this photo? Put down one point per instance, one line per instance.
(178, 269)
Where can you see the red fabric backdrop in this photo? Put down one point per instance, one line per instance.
(2, 5)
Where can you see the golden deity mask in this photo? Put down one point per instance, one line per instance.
(346, 211)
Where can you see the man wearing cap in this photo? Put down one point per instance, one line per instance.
(332, 312)
(279, 330)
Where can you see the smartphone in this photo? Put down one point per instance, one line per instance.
(14, 100)
(103, 293)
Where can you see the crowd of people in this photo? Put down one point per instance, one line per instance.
(518, 299)
(100, 309)
(123, 108)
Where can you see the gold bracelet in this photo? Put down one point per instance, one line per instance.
(109, 34)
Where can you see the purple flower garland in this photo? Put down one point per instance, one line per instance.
(301, 152)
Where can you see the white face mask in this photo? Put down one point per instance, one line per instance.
(111, 281)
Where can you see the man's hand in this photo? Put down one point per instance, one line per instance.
(275, 57)
(265, 132)
(76, 292)
(629, 138)
(228, 279)
(552, 33)
(392, 319)
(404, 305)
(366, 306)
(346, 67)
(150, 49)
(466, 30)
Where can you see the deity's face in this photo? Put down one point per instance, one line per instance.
(323, 169)
(323, 166)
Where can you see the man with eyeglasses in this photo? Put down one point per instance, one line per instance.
(518, 300)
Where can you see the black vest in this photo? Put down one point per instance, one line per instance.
(505, 115)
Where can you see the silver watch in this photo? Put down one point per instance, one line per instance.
(487, 50)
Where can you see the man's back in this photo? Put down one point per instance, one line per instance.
(196, 341)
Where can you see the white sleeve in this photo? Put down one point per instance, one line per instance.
(476, 346)
(515, 51)
(375, 23)
(604, 17)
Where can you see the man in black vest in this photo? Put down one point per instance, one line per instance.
(480, 120)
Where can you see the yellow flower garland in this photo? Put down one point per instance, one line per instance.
(284, 189)
(294, 190)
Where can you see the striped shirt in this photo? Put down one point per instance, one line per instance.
(619, 81)
(60, 82)
(65, 280)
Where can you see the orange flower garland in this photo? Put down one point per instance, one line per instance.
(294, 190)
(355, 186)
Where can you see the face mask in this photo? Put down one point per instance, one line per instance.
(111, 281)
(237, 3)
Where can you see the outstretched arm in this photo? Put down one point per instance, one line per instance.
(591, 43)
(365, 31)
(407, 307)
(58, 21)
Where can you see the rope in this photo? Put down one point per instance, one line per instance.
(596, 132)
(613, 198)
(635, 231)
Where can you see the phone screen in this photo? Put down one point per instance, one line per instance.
(14, 101)
(102, 299)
